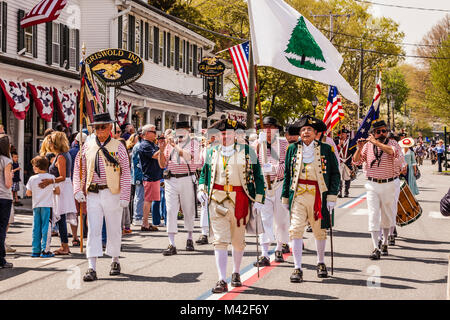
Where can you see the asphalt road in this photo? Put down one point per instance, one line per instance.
(416, 268)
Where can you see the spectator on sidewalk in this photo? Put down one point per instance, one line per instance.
(5, 196)
(16, 178)
(440, 151)
(137, 182)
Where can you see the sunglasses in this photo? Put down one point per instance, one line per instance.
(101, 127)
(381, 131)
(152, 131)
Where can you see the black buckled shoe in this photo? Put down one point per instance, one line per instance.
(346, 194)
(202, 240)
(391, 240)
(297, 276)
(285, 248)
(262, 262)
(309, 229)
(221, 287)
(384, 250)
(322, 270)
(90, 275)
(170, 251)
(279, 256)
(339, 195)
(375, 255)
(395, 232)
(236, 280)
(190, 245)
(115, 269)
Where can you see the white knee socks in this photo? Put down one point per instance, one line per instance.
(385, 235)
(375, 238)
(265, 249)
(279, 246)
(115, 259)
(320, 247)
(391, 231)
(92, 262)
(189, 235)
(237, 258)
(221, 263)
(297, 250)
(172, 239)
(205, 231)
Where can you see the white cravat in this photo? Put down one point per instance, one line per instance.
(227, 151)
(308, 153)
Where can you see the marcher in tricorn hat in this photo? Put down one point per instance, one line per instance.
(183, 158)
(380, 156)
(345, 160)
(292, 133)
(311, 184)
(105, 185)
(230, 178)
(271, 151)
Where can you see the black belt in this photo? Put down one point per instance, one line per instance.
(181, 175)
(95, 188)
(381, 180)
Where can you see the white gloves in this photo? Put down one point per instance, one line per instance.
(262, 137)
(330, 206)
(286, 206)
(124, 203)
(258, 206)
(202, 197)
(79, 196)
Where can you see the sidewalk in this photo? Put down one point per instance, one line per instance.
(26, 207)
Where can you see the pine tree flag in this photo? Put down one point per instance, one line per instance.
(283, 39)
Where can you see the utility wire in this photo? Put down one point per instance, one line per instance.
(392, 54)
(402, 7)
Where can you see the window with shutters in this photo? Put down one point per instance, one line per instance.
(191, 61)
(56, 43)
(29, 40)
(162, 46)
(199, 57)
(172, 51)
(181, 54)
(151, 43)
(73, 48)
(137, 35)
(125, 32)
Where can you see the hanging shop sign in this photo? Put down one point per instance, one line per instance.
(211, 67)
(211, 97)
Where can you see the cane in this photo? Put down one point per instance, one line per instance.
(256, 238)
(331, 242)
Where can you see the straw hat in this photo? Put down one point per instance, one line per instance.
(406, 143)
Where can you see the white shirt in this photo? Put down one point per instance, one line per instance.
(308, 153)
(227, 151)
(41, 198)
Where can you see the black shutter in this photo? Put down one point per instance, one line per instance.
(49, 42)
(164, 49)
(156, 45)
(20, 31)
(77, 54)
(184, 55)
(67, 46)
(146, 41)
(141, 54)
(4, 25)
(131, 33)
(177, 53)
(35, 41)
(194, 59)
(61, 45)
(120, 29)
(168, 49)
(187, 57)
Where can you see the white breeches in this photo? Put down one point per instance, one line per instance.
(380, 202)
(180, 191)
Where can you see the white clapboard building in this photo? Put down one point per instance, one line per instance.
(47, 57)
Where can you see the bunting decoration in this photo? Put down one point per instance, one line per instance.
(17, 96)
(66, 104)
(122, 110)
(43, 100)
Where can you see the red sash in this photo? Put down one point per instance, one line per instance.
(241, 206)
(317, 200)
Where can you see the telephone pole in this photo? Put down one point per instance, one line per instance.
(332, 16)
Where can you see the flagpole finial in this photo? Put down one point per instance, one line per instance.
(83, 49)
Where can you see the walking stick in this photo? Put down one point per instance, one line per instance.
(331, 243)
(257, 240)
(83, 49)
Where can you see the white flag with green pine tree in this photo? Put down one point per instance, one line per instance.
(283, 39)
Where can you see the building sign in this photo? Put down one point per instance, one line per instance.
(211, 67)
(116, 67)
(211, 97)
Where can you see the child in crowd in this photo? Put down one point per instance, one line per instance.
(16, 178)
(43, 202)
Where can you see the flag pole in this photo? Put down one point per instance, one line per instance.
(83, 49)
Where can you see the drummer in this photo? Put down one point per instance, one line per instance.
(379, 155)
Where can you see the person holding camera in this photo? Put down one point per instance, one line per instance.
(380, 156)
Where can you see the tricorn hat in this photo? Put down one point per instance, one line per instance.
(292, 130)
(315, 123)
(102, 118)
(227, 124)
(271, 121)
(379, 124)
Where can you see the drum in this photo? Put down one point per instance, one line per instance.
(408, 208)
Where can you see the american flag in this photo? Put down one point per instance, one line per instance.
(44, 11)
(239, 55)
(372, 115)
(333, 111)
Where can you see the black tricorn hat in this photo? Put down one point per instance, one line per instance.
(102, 118)
(227, 124)
(379, 124)
(182, 125)
(309, 121)
(293, 130)
(271, 121)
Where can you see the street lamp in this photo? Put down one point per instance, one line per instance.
(389, 98)
(314, 103)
